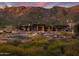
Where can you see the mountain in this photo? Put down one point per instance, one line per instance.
(25, 15)
(74, 9)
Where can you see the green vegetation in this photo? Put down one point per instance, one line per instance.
(40, 45)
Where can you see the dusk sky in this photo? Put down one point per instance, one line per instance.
(38, 4)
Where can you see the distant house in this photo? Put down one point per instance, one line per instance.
(3, 41)
(1, 31)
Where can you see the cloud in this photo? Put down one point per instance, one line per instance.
(38, 4)
(34, 4)
(41, 4)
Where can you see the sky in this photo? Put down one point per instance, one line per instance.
(38, 4)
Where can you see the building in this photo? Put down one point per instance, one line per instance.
(61, 28)
(44, 28)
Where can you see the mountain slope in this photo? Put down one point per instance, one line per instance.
(25, 15)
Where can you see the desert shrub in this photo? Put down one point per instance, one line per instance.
(76, 29)
(12, 50)
(41, 46)
(72, 49)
